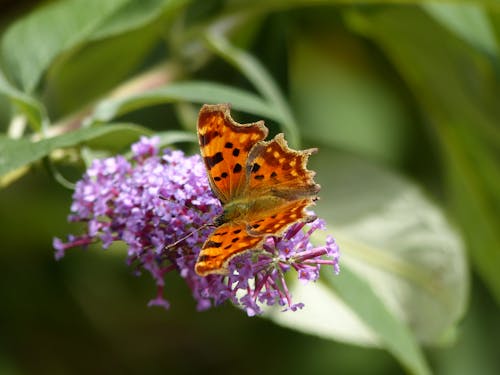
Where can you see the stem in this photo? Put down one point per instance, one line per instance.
(156, 77)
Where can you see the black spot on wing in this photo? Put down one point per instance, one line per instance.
(207, 138)
(255, 167)
(206, 257)
(228, 145)
(209, 244)
(211, 161)
(236, 152)
(237, 168)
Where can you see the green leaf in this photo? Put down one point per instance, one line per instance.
(395, 236)
(31, 108)
(458, 89)
(171, 137)
(346, 307)
(135, 14)
(396, 245)
(73, 73)
(475, 351)
(341, 99)
(395, 336)
(468, 21)
(198, 92)
(17, 153)
(50, 30)
(255, 72)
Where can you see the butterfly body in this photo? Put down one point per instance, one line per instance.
(264, 187)
(239, 209)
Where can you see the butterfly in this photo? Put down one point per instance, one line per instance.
(263, 186)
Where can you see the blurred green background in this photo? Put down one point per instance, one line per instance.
(402, 100)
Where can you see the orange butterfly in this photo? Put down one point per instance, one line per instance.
(264, 187)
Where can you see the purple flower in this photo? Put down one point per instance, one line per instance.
(156, 200)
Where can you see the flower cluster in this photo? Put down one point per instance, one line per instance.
(157, 200)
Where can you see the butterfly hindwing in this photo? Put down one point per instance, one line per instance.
(232, 239)
(225, 145)
(276, 221)
(227, 241)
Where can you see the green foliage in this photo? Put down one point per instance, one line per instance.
(19, 152)
(463, 117)
(193, 91)
(402, 101)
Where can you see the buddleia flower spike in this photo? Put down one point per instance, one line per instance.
(156, 199)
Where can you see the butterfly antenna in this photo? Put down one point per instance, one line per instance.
(190, 206)
(172, 245)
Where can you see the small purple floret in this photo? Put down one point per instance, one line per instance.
(156, 199)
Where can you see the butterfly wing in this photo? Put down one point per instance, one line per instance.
(276, 220)
(232, 239)
(224, 243)
(274, 168)
(225, 146)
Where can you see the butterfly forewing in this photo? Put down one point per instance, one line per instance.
(224, 146)
(273, 167)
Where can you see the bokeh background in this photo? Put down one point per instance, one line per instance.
(399, 97)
